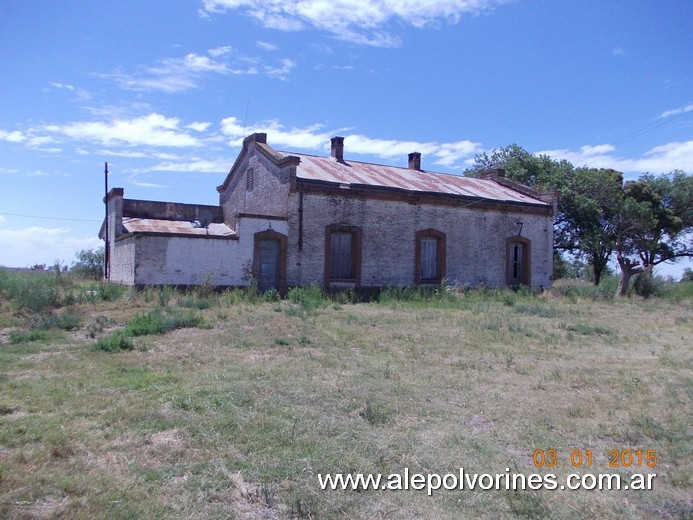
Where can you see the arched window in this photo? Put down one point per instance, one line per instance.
(430, 256)
(518, 262)
(343, 254)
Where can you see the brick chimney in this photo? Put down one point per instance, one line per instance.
(338, 148)
(415, 161)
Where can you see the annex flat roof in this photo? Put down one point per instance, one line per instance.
(178, 227)
(328, 169)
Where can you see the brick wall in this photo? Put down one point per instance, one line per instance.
(475, 240)
(266, 194)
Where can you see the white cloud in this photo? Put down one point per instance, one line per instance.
(316, 138)
(80, 93)
(306, 138)
(194, 165)
(618, 51)
(265, 46)
(150, 130)
(220, 51)
(119, 153)
(677, 111)
(12, 137)
(660, 159)
(198, 126)
(173, 75)
(148, 184)
(282, 71)
(37, 141)
(356, 21)
(40, 245)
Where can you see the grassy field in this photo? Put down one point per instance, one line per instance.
(226, 406)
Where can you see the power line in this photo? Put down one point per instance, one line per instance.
(647, 128)
(53, 218)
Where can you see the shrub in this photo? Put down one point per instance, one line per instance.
(67, 320)
(114, 342)
(272, 295)
(678, 291)
(194, 301)
(647, 285)
(308, 298)
(152, 323)
(17, 336)
(107, 291)
(145, 324)
(35, 293)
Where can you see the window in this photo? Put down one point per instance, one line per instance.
(516, 261)
(342, 254)
(430, 256)
(341, 248)
(249, 179)
(517, 271)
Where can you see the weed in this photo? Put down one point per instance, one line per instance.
(195, 301)
(303, 508)
(114, 342)
(165, 294)
(527, 504)
(206, 290)
(106, 291)
(158, 322)
(535, 309)
(96, 325)
(18, 336)
(374, 413)
(67, 320)
(587, 330)
(271, 295)
(154, 322)
(308, 298)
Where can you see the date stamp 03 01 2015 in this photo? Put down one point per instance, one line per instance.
(624, 458)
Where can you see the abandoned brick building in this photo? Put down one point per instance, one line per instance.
(289, 219)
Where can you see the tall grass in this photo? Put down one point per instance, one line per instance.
(155, 322)
(41, 292)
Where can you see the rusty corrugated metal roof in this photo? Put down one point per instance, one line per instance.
(329, 169)
(151, 225)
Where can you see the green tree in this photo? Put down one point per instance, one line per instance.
(536, 171)
(89, 263)
(587, 204)
(655, 224)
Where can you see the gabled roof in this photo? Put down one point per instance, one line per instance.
(354, 173)
(336, 171)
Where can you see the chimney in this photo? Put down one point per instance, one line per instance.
(338, 148)
(415, 161)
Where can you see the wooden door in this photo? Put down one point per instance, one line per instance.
(268, 275)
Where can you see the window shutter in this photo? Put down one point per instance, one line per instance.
(429, 258)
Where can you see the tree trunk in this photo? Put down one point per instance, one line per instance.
(628, 269)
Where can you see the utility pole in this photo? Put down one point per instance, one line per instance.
(106, 251)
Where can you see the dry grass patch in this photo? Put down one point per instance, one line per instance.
(237, 420)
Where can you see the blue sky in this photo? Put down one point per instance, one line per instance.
(165, 91)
